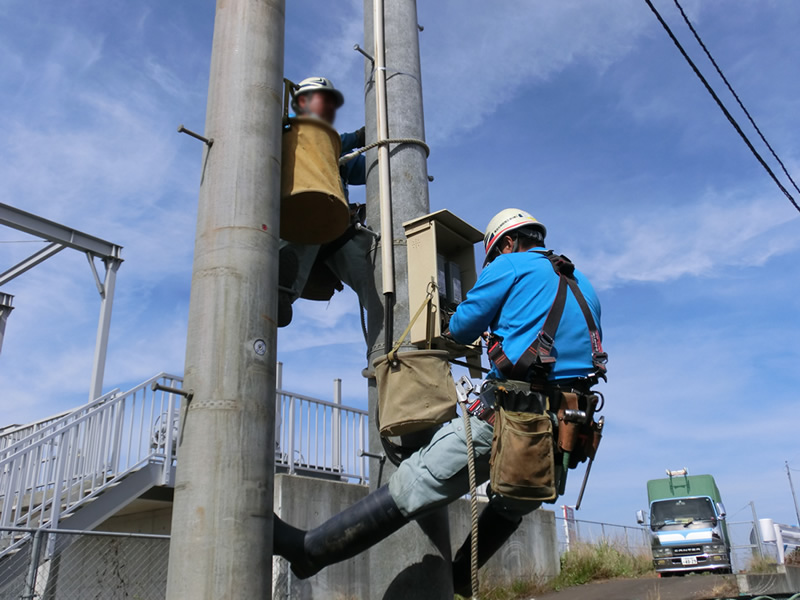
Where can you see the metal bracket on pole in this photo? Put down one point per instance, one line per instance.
(157, 387)
(100, 284)
(360, 50)
(207, 141)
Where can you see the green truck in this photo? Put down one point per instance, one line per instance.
(687, 524)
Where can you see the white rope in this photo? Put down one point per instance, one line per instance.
(351, 155)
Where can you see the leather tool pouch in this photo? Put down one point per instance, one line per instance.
(578, 436)
(522, 460)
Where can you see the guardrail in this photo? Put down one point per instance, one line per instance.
(52, 467)
(67, 463)
(321, 437)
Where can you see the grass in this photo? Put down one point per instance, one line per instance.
(583, 564)
(762, 564)
(586, 563)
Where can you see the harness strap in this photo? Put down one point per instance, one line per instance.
(540, 351)
(539, 354)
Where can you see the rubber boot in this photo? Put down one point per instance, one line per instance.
(493, 531)
(349, 533)
(288, 266)
(287, 541)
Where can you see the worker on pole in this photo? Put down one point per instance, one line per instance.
(519, 288)
(324, 268)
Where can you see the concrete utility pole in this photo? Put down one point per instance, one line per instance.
(415, 562)
(222, 518)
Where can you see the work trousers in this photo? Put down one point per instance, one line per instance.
(437, 474)
(350, 263)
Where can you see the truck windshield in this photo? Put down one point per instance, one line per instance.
(681, 510)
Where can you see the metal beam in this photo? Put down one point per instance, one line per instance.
(222, 521)
(30, 262)
(103, 328)
(55, 232)
(6, 301)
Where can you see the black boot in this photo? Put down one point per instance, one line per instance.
(493, 531)
(352, 531)
(287, 541)
(288, 266)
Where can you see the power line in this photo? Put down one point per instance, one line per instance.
(735, 95)
(721, 105)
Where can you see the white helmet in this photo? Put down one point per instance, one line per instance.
(505, 222)
(316, 84)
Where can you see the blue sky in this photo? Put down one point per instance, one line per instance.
(581, 112)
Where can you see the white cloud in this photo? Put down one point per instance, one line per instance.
(700, 240)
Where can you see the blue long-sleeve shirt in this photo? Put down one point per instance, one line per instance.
(354, 172)
(512, 297)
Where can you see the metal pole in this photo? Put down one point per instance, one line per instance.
(33, 566)
(222, 519)
(794, 495)
(416, 561)
(757, 529)
(336, 425)
(103, 327)
(6, 306)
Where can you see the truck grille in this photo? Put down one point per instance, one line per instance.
(687, 550)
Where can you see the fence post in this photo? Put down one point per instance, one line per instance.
(29, 592)
(290, 449)
(336, 424)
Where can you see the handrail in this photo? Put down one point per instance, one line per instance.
(70, 461)
(55, 423)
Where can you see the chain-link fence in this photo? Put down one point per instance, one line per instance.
(636, 540)
(73, 565)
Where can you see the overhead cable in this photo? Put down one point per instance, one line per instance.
(734, 94)
(721, 105)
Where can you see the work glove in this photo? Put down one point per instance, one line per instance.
(361, 137)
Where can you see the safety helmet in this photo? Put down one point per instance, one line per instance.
(316, 84)
(504, 223)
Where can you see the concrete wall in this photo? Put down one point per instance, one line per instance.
(532, 552)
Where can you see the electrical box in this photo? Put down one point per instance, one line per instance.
(441, 252)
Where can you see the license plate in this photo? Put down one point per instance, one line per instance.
(688, 560)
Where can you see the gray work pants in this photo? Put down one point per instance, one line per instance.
(437, 474)
(351, 263)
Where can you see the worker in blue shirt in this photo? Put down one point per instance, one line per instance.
(344, 259)
(512, 298)
(513, 295)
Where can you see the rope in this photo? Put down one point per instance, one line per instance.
(351, 155)
(722, 106)
(473, 502)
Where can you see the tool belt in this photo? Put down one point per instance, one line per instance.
(540, 432)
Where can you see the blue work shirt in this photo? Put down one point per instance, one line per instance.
(512, 297)
(354, 171)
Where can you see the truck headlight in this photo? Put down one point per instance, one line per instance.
(714, 549)
(660, 552)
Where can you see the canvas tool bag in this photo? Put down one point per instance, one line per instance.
(415, 388)
(522, 463)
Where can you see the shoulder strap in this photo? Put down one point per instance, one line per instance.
(539, 353)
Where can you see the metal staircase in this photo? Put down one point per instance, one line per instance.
(77, 469)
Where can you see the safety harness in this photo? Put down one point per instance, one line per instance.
(536, 363)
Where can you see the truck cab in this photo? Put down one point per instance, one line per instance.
(687, 524)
